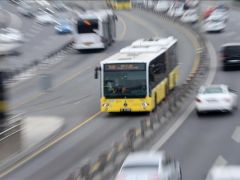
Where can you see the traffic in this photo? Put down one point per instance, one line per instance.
(138, 65)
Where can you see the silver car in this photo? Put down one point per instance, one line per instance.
(149, 165)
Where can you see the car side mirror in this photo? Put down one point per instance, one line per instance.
(96, 72)
(233, 90)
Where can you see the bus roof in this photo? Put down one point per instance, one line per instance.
(101, 14)
(141, 51)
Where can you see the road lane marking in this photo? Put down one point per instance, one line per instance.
(220, 161)
(35, 154)
(121, 36)
(236, 134)
(71, 77)
(144, 24)
(184, 116)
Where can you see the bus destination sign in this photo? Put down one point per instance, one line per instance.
(124, 67)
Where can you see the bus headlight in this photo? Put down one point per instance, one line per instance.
(144, 104)
(105, 105)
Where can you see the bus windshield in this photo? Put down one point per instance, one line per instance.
(125, 83)
(87, 26)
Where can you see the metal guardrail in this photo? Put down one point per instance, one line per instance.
(11, 74)
(107, 162)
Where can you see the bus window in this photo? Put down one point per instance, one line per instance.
(120, 83)
(87, 26)
(157, 70)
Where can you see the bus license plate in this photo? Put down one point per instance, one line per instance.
(125, 110)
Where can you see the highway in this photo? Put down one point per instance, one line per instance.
(75, 96)
(203, 142)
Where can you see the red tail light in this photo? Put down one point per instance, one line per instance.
(154, 177)
(119, 177)
(198, 100)
(221, 56)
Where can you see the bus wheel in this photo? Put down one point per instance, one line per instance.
(174, 81)
(155, 103)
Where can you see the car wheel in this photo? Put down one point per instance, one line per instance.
(180, 176)
(225, 68)
(199, 113)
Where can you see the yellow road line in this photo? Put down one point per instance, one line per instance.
(144, 24)
(71, 77)
(17, 165)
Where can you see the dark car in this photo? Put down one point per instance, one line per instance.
(230, 55)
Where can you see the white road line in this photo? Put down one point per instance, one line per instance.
(236, 134)
(220, 161)
(183, 117)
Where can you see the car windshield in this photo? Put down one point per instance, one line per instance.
(231, 51)
(213, 90)
(213, 21)
(148, 167)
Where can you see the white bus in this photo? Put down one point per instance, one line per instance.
(140, 76)
(95, 29)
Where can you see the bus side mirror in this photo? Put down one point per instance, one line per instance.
(96, 72)
(116, 18)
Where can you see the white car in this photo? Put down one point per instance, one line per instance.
(162, 6)
(216, 98)
(9, 35)
(190, 16)
(148, 166)
(230, 172)
(176, 9)
(211, 25)
(45, 18)
(25, 10)
(148, 4)
(219, 14)
(192, 3)
(11, 41)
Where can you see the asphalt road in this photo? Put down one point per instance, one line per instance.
(40, 40)
(75, 97)
(213, 139)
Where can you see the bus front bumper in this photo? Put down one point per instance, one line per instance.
(85, 46)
